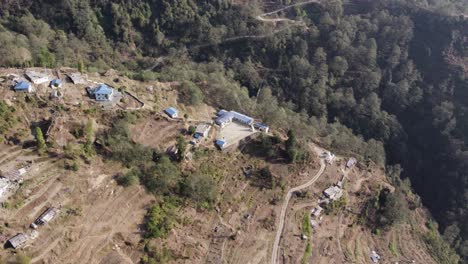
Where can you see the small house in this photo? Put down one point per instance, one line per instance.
(18, 240)
(76, 78)
(45, 217)
(171, 112)
(202, 130)
(351, 162)
(262, 127)
(221, 143)
(333, 193)
(56, 83)
(14, 175)
(37, 77)
(23, 86)
(316, 211)
(103, 93)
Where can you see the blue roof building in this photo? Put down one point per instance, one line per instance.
(103, 93)
(225, 117)
(221, 143)
(222, 112)
(23, 86)
(171, 112)
(262, 127)
(56, 83)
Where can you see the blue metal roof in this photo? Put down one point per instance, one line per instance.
(242, 118)
(220, 142)
(196, 135)
(55, 82)
(103, 89)
(261, 125)
(224, 117)
(171, 111)
(221, 112)
(23, 85)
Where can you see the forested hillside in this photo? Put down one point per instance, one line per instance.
(391, 72)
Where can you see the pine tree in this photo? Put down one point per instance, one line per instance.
(291, 147)
(41, 145)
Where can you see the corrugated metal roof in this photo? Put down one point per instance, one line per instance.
(48, 215)
(23, 85)
(242, 117)
(18, 240)
(222, 112)
(171, 111)
(225, 117)
(220, 142)
(56, 82)
(103, 89)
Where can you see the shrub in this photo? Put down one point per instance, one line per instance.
(160, 178)
(190, 94)
(155, 256)
(201, 188)
(438, 248)
(22, 259)
(191, 130)
(128, 179)
(160, 219)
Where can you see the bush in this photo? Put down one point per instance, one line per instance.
(263, 178)
(200, 188)
(145, 76)
(122, 148)
(438, 248)
(190, 94)
(181, 145)
(191, 130)
(336, 206)
(128, 179)
(72, 165)
(385, 209)
(160, 219)
(155, 256)
(22, 259)
(160, 178)
(291, 147)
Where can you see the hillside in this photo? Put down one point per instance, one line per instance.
(102, 208)
(383, 81)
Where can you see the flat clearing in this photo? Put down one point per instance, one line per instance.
(234, 132)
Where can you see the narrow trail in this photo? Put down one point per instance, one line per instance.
(262, 18)
(279, 232)
(338, 237)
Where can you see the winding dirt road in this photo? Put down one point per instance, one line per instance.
(274, 253)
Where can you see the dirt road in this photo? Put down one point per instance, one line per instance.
(262, 16)
(274, 254)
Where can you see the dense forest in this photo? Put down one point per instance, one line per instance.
(384, 79)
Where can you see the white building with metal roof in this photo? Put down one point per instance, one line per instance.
(225, 117)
